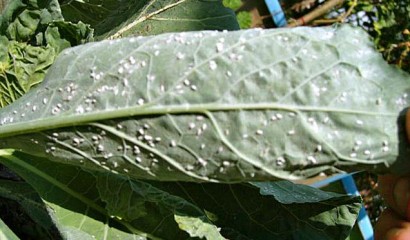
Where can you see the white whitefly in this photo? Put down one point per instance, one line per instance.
(202, 161)
(219, 47)
(212, 65)
(148, 137)
(312, 159)
(280, 161)
(180, 56)
(191, 125)
(100, 148)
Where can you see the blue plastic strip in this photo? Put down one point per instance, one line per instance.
(328, 181)
(349, 185)
(277, 13)
(363, 220)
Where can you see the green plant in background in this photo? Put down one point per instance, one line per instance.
(393, 38)
(244, 17)
(232, 4)
(175, 136)
(32, 35)
(387, 21)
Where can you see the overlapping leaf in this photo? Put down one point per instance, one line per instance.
(111, 206)
(117, 18)
(6, 233)
(219, 107)
(32, 207)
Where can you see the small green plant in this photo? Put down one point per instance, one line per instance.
(184, 134)
(244, 17)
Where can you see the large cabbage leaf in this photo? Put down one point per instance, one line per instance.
(218, 106)
(92, 204)
(34, 32)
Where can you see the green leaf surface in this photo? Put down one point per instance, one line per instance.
(32, 35)
(115, 18)
(105, 205)
(218, 106)
(198, 227)
(22, 66)
(111, 206)
(288, 193)
(244, 19)
(61, 34)
(6, 233)
(23, 20)
(242, 212)
(339, 212)
(40, 23)
(233, 4)
(32, 204)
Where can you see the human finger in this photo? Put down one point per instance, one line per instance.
(390, 226)
(396, 192)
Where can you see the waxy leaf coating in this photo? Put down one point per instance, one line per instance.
(218, 106)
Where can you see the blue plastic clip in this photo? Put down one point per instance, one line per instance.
(277, 13)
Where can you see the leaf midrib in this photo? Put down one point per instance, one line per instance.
(142, 18)
(59, 121)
